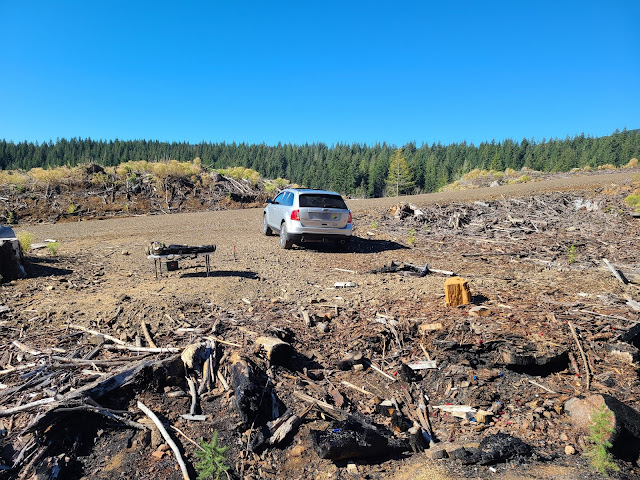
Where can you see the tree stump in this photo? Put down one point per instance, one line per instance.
(457, 292)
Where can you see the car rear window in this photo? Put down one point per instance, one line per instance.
(322, 201)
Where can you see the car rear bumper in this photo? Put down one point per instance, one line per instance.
(299, 238)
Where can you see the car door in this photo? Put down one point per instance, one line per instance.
(274, 211)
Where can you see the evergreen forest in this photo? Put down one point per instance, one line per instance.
(356, 170)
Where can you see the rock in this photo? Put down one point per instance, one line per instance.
(569, 450)
(624, 422)
(350, 360)
(322, 327)
(479, 311)
(457, 292)
(436, 454)
(352, 469)
(297, 451)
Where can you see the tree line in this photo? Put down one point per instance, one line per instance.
(357, 169)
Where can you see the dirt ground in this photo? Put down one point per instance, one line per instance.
(533, 283)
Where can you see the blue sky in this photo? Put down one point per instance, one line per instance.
(318, 71)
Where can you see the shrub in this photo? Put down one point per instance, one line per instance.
(241, 173)
(281, 183)
(633, 201)
(211, 458)
(25, 239)
(633, 163)
(13, 177)
(607, 166)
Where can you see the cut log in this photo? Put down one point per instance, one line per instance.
(457, 292)
(429, 327)
(276, 351)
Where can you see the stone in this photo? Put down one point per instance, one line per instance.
(352, 469)
(569, 450)
(479, 311)
(457, 292)
(436, 454)
(297, 451)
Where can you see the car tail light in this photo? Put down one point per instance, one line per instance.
(295, 215)
(350, 218)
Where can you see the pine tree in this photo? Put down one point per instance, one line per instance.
(400, 178)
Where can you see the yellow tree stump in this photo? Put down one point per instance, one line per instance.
(456, 291)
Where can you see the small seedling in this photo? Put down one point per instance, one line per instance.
(572, 253)
(374, 225)
(212, 459)
(72, 208)
(411, 239)
(53, 248)
(599, 432)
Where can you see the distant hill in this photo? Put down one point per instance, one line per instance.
(356, 170)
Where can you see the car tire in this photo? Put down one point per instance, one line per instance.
(266, 230)
(284, 241)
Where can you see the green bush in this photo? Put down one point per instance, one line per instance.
(633, 201)
(25, 239)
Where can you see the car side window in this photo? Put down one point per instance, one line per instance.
(288, 200)
(279, 198)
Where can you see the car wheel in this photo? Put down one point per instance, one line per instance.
(265, 227)
(284, 241)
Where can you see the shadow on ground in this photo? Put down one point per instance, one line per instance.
(358, 245)
(44, 267)
(222, 273)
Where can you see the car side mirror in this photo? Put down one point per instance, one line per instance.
(269, 201)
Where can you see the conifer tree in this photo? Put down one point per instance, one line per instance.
(400, 178)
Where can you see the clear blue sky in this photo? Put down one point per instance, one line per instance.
(318, 71)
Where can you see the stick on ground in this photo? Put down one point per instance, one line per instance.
(167, 438)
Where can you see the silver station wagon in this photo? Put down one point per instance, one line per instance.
(304, 215)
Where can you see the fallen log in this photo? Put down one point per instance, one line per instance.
(277, 351)
(254, 399)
